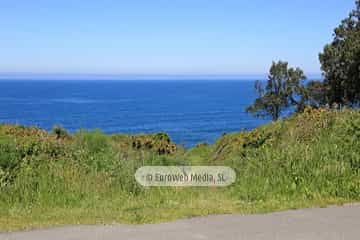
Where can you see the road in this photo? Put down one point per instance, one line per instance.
(335, 222)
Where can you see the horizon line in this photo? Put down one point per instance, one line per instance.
(96, 76)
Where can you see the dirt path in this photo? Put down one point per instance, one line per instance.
(318, 223)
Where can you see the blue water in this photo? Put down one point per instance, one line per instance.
(190, 111)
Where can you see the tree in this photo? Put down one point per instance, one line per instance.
(284, 88)
(315, 96)
(340, 62)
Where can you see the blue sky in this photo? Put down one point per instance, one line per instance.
(174, 37)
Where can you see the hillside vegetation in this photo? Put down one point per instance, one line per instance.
(46, 179)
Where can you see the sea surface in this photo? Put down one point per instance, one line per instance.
(189, 111)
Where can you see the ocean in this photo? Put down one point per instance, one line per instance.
(189, 111)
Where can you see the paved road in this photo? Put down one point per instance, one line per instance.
(336, 223)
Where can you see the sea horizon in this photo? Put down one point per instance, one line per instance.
(139, 77)
(189, 111)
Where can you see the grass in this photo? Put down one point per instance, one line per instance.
(49, 179)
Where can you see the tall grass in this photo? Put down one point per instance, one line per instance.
(55, 178)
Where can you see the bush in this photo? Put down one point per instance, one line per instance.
(9, 155)
(60, 132)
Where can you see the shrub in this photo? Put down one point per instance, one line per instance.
(60, 132)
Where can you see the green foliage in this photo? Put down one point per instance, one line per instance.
(283, 88)
(10, 158)
(311, 158)
(159, 143)
(9, 154)
(315, 94)
(93, 141)
(60, 132)
(340, 61)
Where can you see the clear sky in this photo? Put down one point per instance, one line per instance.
(212, 37)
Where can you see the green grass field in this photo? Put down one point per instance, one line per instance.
(48, 179)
